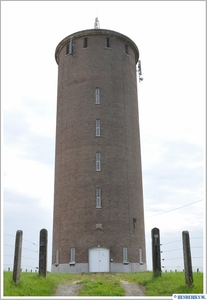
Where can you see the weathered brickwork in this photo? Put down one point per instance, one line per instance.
(76, 178)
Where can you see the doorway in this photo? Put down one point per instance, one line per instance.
(99, 260)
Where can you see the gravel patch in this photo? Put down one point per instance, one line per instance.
(71, 289)
(131, 289)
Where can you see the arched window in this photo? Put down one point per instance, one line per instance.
(97, 95)
(98, 161)
(98, 127)
(98, 197)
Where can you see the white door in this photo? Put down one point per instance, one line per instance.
(99, 260)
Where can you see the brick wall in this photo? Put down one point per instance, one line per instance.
(120, 178)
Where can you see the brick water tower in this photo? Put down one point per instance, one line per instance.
(98, 199)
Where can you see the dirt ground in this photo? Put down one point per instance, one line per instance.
(132, 289)
(72, 289)
(68, 289)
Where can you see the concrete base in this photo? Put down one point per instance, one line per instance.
(114, 268)
(129, 268)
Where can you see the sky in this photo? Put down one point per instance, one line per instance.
(170, 36)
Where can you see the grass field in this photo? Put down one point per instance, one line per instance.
(99, 284)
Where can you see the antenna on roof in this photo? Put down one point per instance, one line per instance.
(97, 23)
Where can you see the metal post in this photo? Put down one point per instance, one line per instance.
(17, 256)
(43, 253)
(187, 258)
(156, 261)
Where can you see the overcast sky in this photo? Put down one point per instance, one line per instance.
(170, 36)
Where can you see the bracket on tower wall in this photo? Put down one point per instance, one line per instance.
(140, 71)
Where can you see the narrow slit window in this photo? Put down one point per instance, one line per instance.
(140, 256)
(72, 256)
(125, 255)
(97, 95)
(108, 42)
(98, 197)
(98, 161)
(98, 127)
(126, 49)
(85, 43)
(56, 257)
(71, 47)
(67, 49)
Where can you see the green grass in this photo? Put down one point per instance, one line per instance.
(167, 284)
(102, 285)
(31, 284)
(99, 284)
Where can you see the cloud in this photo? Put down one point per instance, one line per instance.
(29, 177)
(33, 139)
(22, 212)
(173, 177)
(29, 150)
(172, 169)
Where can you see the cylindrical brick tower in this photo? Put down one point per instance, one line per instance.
(98, 200)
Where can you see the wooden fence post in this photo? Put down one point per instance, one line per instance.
(156, 261)
(43, 253)
(17, 256)
(187, 258)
